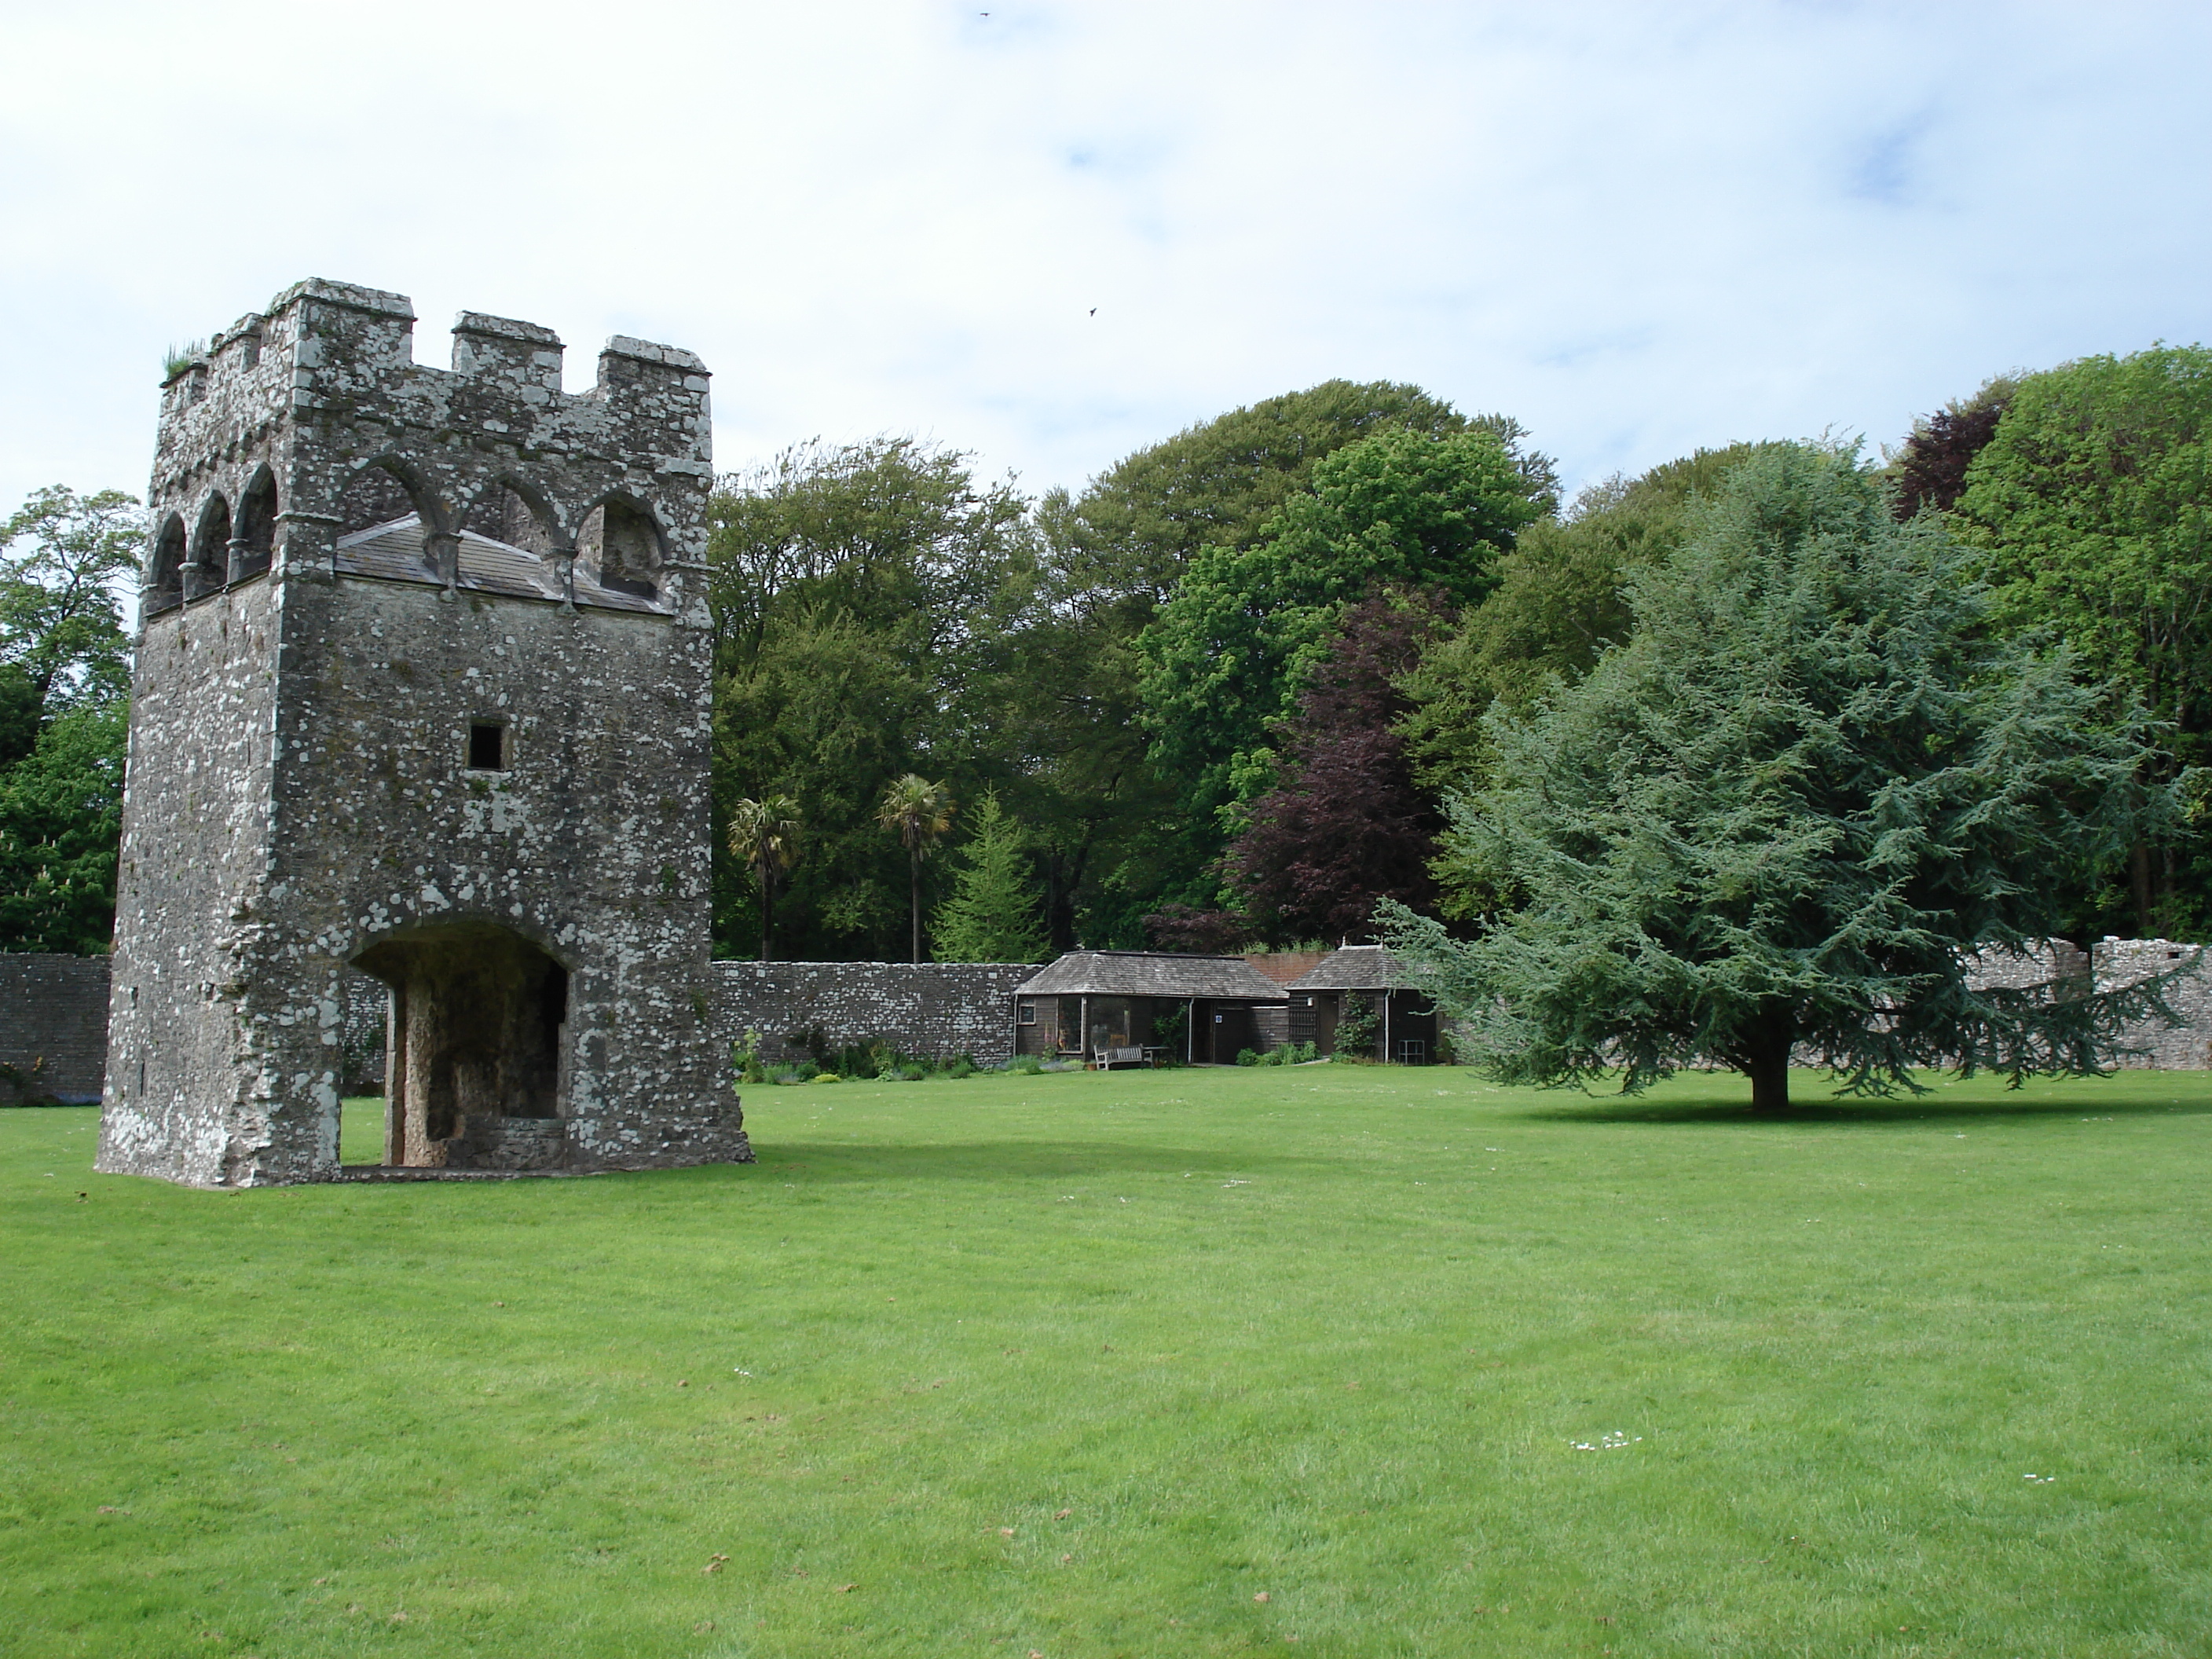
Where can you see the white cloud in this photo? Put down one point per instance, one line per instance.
(1639, 228)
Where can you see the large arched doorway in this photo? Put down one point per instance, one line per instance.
(475, 1071)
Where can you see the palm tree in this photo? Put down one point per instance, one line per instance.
(918, 811)
(765, 833)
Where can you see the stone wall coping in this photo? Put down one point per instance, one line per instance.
(646, 351)
(505, 328)
(903, 967)
(375, 300)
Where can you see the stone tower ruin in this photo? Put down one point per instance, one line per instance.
(422, 689)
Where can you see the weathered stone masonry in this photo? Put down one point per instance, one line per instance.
(928, 1009)
(423, 687)
(54, 1010)
(53, 1027)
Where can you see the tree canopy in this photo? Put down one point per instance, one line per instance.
(2093, 500)
(1400, 510)
(1185, 688)
(1781, 814)
(64, 686)
(860, 595)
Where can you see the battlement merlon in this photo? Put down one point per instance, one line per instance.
(347, 346)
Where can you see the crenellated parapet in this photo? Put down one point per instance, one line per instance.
(312, 421)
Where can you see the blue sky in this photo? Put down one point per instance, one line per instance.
(1639, 228)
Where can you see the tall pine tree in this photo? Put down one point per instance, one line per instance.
(991, 916)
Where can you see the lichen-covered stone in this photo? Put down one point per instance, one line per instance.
(930, 1010)
(477, 770)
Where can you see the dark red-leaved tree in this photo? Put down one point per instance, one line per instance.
(1930, 469)
(1345, 825)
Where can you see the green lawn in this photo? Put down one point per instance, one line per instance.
(1189, 1363)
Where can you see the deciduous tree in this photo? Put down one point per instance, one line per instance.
(65, 682)
(1929, 468)
(2093, 500)
(1402, 508)
(1346, 825)
(861, 596)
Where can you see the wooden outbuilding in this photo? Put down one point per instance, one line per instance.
(1136, 1007)
(1364, 978)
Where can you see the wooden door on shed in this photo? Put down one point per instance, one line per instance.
(1232, 1028)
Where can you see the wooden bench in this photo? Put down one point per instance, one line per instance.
(1108, 1059)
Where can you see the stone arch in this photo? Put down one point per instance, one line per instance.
(477, 1070)
(514, 510)
(209, 569)
(385, 489)
(621, 542)
(257, 525)
(165, 571)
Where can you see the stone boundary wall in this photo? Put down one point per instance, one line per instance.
(53, 1011)
(2188, 1047)
(53, 1028)
(928, 1008)
(361, 1022)
(2016, 971)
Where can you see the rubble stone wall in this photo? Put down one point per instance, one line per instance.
(2188, 1047)
(930, 1008)
(53, 1028)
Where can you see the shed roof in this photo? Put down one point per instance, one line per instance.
(1356, 967)
(1152, 974)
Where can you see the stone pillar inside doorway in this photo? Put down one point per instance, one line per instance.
(476, 1063)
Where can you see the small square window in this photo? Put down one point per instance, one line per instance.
(487, 747)
(1025, 1013)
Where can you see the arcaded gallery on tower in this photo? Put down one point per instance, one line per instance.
(422, 690)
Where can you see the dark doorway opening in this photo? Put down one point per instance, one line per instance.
(474, 1064)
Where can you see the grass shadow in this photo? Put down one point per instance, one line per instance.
(1897, 1111)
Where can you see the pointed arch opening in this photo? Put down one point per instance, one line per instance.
(165, 572)
(513, 512)
(210, 566)
(621, 543)
(381, 493)
(256, 526)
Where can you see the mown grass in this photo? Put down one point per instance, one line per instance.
(1086, 1365)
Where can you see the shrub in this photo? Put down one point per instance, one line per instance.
(1357, 1031)
(828, 1077)
(746, 1056)
(1247, 1057)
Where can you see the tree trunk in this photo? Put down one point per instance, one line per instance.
(914, 895)
(768, 910)
(2139, 886)
(1766, 1062)
(1770, 1083)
